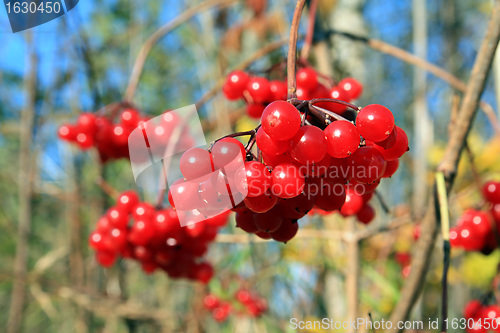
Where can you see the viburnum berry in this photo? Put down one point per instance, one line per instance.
(244, 220)
(287, 181)
(269, 221)
(279, 90)
(253, 179)
(270, 146)
(259, 89)
(365, 214)
(262, 203)
(398, 149)
(353, 203)
(286, 231)
(308, 145)
(254, 110)
(195, 163)
(352, 87)
(375, 122)
(281, 120)
(369, 164)
(307, 78)
(491, 192)
(342, 139)
(391, 168)
(235, 85)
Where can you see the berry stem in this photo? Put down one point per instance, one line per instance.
(337, 101)
(326, 115)
(292, 51)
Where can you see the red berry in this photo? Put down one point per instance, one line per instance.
(287, 181)
(366, 214)
(270, 146)
(254, 110)
(491, 192)
(397, 150)
(262, 203)
(307, 78)
(353, 203)
(286, 231)
(255, 179)
(342, 139)
(130, 118)
(127, 201)
(105, 259)
(259, 90)
(391, 168)
(236, 83)
(87, 123)
(142, 232)
(195, 163)
(281, 120)
(67, 132)
(269, 221)
(369, 165)
(244, 220)
(375, 122)
(118, 217)
(352, 87)
(228, 153)
(308, 145)
(211, 302)
(279, 90)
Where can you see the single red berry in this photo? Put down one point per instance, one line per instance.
(269, 221)
(391, 168)
(105, 258)
(397, 150)
(491, 192)
(235, 85)
(259, 89)
(353, 203)
(262, 203)
(127, 201)
(281, 120)
(228, 153)
(366, 214)
(270, 146)
(67, 132)
(86, 123)
(130, 118)
(118, 217)
(352, 87)
(211, 302)
(195, 163)
(307, 78)
(342, 139)
(254, 110)
(244, 220)
(286, 231)
(369, 164)
(253, 179)
(375, 122)
(308, 145)
(279, 90)
(287, 181)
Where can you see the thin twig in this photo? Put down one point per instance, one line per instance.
(421, 258)
(419, 62)
(442, 215)
(160, 33)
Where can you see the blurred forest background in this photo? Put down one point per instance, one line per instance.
(50, 199)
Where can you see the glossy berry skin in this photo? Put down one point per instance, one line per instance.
(342, 139)
(353, 203)
(279, 90)
(287, 230)
(308, 145)
(269, 221)
(491, 192)
(339, 94)
(287, 181)
(210, 302)
(254, 179)
(352, 87)
(259, 89)
(244, 220)
(228, 153)
(375, 122)
(261, 204)
(130, 118)
(366, 214)
(389, 141)
(270, 146)
(281, 120)
(87, 123)
(236, 83)
(105, 259)
(369, 164)
(391, 168)
(195, 163)
(127, 201)
(307, 78)
(473, 309)
(399, 148)
(67, 132)
(254, 110)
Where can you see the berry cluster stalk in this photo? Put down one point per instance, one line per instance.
(292, 51)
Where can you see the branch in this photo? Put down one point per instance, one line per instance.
(160, 33)
(449, 163)
(407, 57)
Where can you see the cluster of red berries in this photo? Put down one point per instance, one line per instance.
(244, 302)
(477, 230)
(259, 91)
(154, 237)
(303, 167)
(482, 318)
(111, 139)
